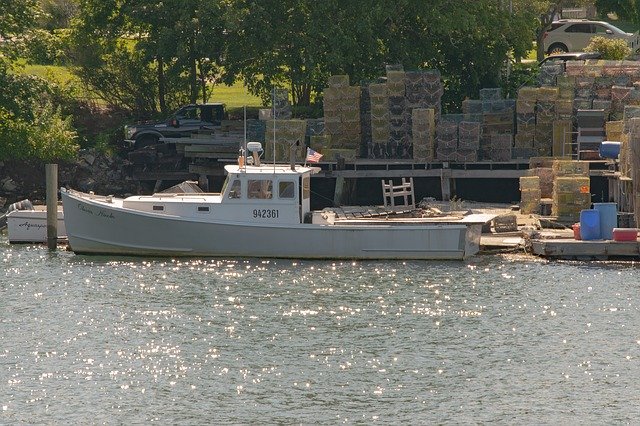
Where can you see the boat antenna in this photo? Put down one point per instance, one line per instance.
(274, 129)
(245, 132)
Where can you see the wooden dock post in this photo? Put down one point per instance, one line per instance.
(344, 191)
(445, 184)
(51, 172)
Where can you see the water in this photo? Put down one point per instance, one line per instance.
(495, 339)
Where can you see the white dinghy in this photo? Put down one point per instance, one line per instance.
(262, 211)
(29, 225)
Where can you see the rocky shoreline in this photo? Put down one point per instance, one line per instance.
(91, 171)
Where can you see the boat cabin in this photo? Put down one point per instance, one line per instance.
(272, 194)
(252, 194)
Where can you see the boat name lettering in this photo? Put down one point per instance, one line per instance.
(101, 213)
(30, 225)
(83, 208)
(265, 213)
(108, 215)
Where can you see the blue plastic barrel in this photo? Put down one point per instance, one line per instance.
(609, 149)
(590, 225)
(608, 218)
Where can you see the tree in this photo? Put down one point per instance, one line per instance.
(31, 126)
(625, 9)
(16, 16)
(57, 13)
(299, 42)
(468, 41)
(547, 11)
(176, 43)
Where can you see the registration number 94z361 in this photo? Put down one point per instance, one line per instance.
(265, 213)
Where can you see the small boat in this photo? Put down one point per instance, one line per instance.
(261, 211)
(30, 225)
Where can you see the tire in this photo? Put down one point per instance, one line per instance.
(557, 48)
(144, 141)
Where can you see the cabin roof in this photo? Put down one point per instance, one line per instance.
(269, 169)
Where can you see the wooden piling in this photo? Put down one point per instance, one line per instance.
(51, 172)
(445, 184)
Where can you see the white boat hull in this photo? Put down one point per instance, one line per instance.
(95, 226)
(30, 226)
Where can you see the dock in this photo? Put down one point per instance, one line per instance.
(570, 249)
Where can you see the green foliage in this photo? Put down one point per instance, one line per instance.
(521, 74)
(173, 58)
(57, 13)
(612, 49)
(117, 74)
(16, 16)
(299, 43)
(30, 125)
(43, 47)
(628, 10)
(51, 136)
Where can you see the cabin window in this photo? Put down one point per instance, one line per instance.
(202, 209)
(306, 189)
(286, 189)
(260, 189)
(236, 189)
(158, 208)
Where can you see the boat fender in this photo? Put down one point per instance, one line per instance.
(241, 161)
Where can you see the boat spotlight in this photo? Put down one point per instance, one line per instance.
(255, 148)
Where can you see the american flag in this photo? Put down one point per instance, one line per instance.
(312, 156)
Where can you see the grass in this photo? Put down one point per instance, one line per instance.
(234, 96)
(56, 73)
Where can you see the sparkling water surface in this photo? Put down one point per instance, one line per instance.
(207, 341)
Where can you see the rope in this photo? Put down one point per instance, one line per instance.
(327, 198)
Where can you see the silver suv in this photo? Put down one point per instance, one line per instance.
(573, 35)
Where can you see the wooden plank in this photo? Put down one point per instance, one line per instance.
(211, 148)
(211, 155)
(419, 173)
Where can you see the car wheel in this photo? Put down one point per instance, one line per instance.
(557, 48)
(145, 140)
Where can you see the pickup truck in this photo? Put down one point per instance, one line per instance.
(188, 119)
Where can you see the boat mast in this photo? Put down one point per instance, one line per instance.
(274, 129)
(245, 134)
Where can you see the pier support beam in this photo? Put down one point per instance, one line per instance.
(203, 182)
(51, 172)
(343, 194)
(446, 184)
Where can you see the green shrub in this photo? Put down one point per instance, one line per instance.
(522, 74)
(31, 127)
(611, 49)
(51, 136)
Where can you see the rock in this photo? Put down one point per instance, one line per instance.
(86, 185)
(114, 175)
(8, 185)
(88, 157)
